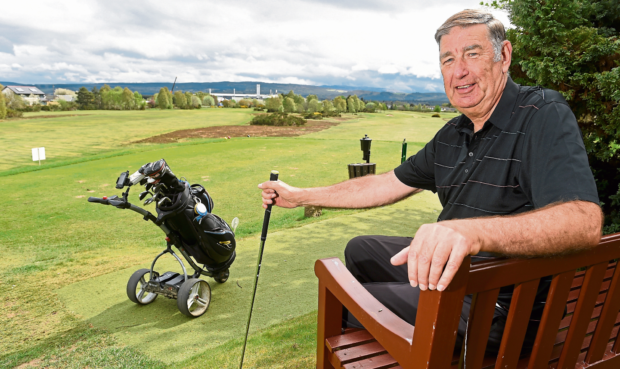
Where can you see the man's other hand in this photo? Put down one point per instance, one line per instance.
(278, 193)
(434, 247)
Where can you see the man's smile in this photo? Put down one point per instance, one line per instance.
(465, 88)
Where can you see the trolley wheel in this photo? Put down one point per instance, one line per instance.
(136, 285)
(222, 277)
(194, 297)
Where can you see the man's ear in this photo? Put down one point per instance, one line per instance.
(506, 55)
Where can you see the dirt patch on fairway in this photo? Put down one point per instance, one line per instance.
(241, 131)
(56, 116)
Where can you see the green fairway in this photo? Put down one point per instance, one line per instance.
(388, 126)
(75, 134)
(66, 261)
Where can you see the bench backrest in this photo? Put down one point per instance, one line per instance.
(586, 285)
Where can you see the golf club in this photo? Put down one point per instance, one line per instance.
(263, 237)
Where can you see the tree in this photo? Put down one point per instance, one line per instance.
(2, 103)
(340, 104)
(138, 100)
(437, 109)
(314, 105)
(179, 100)
(573, 46)
(273, 104)
(289, 105)
(13, 101)
(97, 103)
(361, 105)
(84, 99)
(208, 101)
(311, 97)
(327, 106)
(196, 102)
(370, 107)
(351, 105)
(64, 91)
(188, 100)
(299, 100)
(245, 102)
(127, 99)
(162, 99)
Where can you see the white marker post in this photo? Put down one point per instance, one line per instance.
(38, 153)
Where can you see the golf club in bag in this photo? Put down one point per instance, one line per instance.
(263, 237)
(184, 213)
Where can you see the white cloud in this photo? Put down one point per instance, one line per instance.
(388, 69)
(312, 42)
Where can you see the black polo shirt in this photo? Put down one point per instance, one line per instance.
(529, 154)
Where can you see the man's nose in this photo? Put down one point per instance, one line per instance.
(460, 69)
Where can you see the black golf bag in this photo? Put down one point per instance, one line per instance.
(208, 239)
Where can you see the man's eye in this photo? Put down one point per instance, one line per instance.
(473, 54)
(447, 61)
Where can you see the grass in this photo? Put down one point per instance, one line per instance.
(54, 243)
(75, 134)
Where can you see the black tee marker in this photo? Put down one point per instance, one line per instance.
(263, 237)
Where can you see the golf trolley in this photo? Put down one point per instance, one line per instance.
(184, 214)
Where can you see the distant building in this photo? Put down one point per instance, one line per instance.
(30, 94)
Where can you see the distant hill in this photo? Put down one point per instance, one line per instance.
(323, 92)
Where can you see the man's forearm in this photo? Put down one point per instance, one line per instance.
(365, 192)
(553, 230)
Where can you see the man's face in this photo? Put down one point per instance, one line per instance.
(473, 81)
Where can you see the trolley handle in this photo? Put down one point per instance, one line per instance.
(98, 200)
(114, 201)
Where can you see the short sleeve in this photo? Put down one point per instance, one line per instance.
(554, 164)
(418, 171)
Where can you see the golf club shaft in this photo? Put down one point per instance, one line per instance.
(263, 237)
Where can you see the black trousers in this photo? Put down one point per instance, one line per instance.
(368, 259)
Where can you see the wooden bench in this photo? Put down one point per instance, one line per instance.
(586, 285)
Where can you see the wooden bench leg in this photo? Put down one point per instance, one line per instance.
(329, 325)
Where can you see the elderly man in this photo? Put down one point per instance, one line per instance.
(511, 173)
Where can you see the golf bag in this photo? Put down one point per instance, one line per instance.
(205, 236)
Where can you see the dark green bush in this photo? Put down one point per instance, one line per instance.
(315, 115)
(277, 119)
(573, 46)
(10, 113)
(436, 115)
(31, 108)
(331, 113)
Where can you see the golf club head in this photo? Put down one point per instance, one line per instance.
(148, 201)
(143, 195)
(234, 224)
(162, 201)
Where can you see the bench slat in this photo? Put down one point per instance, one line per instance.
(516, 324)
(480, 319)
(606, 321)
(581, 317)
(377, 362)
(578, 281)
(348, 339)
(550, 321)
(574, 294)
(356, 353)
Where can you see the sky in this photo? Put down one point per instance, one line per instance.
(376, 43)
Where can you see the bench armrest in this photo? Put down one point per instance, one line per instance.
(394, 333)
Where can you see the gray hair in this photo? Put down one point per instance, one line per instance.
(469, 17)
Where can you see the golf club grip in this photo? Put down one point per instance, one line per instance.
(263, 235)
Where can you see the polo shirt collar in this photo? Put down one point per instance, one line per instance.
(502, 113)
